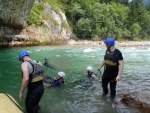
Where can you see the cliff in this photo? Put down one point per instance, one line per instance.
(30, 22)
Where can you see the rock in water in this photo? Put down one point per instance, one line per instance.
(140, 100)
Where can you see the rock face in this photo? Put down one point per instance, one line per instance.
(15, 12)
(15, 30)
(140, 100)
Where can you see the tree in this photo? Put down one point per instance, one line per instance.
(83, 28)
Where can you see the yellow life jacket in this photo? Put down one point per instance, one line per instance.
(110, 59)
(37, 73)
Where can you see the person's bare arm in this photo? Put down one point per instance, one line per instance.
(99, 68)
(25, 79)
(121, 65)
(47, 85)
(94, 76)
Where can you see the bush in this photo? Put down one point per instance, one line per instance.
(35, 14)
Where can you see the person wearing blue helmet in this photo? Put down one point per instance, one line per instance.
(32, 78)
(113, 67)
(48, 64)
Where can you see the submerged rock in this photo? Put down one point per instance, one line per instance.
(140, 100)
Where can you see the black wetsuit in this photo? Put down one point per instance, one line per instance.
(57, 83)
(111, 69)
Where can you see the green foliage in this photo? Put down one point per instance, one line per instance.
(65, 25)
(49, 17)
(83, 28)
(135, 30)
(55, 4)
(98, 19)
(34, 16)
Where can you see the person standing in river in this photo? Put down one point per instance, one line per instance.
(32, 77)
(113, 66)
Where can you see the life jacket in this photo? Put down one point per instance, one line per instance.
(109, 59)
(37, 73)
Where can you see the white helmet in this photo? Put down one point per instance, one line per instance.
(61, 74)
(89, 68)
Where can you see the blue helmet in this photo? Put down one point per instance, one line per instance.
(23, 53)
(46, 58)
(110, 41)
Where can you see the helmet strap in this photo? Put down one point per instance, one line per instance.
(108, 47)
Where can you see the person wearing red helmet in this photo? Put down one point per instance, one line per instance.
(32, 78)
(113, 67)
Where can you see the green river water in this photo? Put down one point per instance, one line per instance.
(73, 96)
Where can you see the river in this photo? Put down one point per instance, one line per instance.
(73, 96)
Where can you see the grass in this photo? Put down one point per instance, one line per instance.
(35, 14)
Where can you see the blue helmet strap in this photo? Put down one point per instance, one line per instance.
(21, 59)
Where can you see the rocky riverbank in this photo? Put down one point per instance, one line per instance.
(101, 43)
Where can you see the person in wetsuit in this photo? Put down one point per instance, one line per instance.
(58, 81)
(113, 67)
(90, 74)
(32, 78)
(47, 64)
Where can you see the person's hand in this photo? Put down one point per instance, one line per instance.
(99, 69)
(118, 78)
(20, 96)
(55, 78)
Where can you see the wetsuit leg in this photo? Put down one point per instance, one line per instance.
(113, 88)
(105, 82)
(33, 98)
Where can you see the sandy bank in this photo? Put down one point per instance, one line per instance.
(101, 43)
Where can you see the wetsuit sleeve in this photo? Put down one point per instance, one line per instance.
(57, 83)
(119, 55)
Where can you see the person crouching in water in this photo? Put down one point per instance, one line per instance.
(90, 74)
(58, 81)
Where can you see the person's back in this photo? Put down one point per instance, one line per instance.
(32, 77)
(36, 74)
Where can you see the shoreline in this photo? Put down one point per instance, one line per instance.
(117, 43)
(70, 42)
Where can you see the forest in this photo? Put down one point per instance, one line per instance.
(98, 19)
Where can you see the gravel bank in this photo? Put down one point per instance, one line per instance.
(117, 43)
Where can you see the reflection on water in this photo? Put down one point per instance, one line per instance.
(74, 96)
